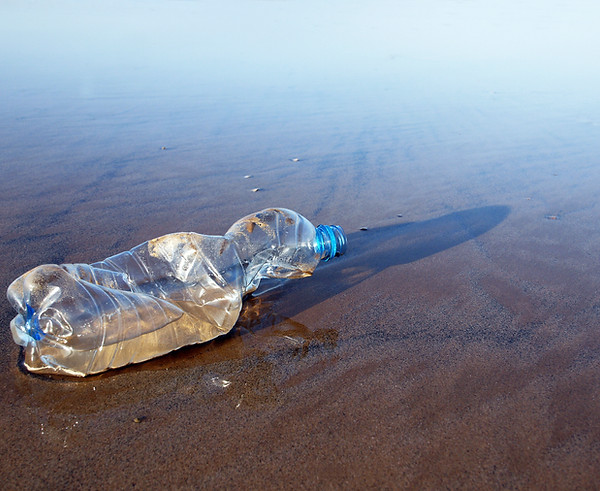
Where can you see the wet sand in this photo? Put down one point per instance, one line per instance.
(456, 345)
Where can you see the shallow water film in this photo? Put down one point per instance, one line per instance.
(455, 345)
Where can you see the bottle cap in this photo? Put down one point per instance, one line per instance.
(330, 241)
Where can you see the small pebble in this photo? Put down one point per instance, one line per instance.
(139, 419)
(363, 228)
(295, 160)
(163, 148)
(552, 217)
(248, 176)
(256, 190)
(399, 215)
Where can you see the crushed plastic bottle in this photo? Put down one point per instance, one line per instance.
(169, 292)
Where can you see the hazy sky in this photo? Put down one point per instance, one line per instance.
(232, 40)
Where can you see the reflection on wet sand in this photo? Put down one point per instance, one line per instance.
(261, 340)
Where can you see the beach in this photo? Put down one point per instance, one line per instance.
(455, 345)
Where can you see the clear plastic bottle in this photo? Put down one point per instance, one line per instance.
(169, 292)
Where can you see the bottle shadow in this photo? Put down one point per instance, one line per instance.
(374, 250)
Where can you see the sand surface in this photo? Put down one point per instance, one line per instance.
(456, 345)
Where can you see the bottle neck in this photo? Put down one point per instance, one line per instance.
(330, 241)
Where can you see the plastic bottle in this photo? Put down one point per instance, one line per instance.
(176, 290)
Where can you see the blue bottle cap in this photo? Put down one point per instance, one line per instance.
(330, 241)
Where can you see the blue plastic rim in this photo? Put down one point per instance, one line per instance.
(32, 324)
(330, 241)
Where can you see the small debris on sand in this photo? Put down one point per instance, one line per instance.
(399, 215)
(256, 190)
(163, 148)
(363, 228)
(248, 176)
(552, 217)
(139, 419)
(295, 160)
